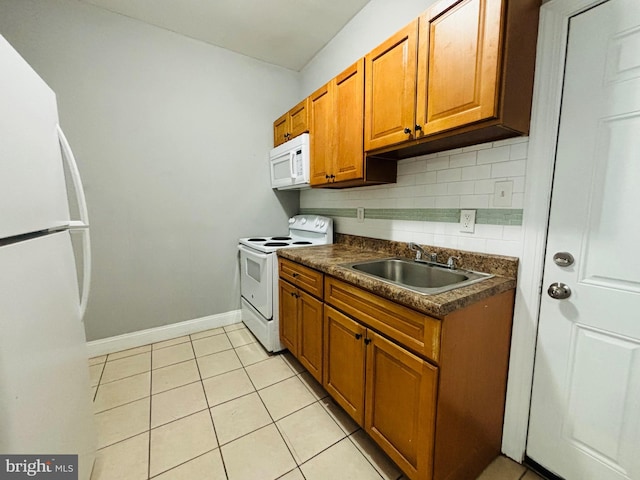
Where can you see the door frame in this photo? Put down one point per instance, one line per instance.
(543, 139)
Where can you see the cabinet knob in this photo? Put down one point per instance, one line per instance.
(358, 336)
(407, 131)
(418, 128)
(367, 341)
(295, 275)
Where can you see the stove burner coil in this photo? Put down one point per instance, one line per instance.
(257, 240)
(280, 238)
(301, 243)
(276, 244)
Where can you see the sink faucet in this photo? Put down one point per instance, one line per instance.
(420, 252)
(451, 263)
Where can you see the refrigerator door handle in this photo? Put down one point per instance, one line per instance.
(83, 223)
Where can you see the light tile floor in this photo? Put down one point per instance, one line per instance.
(215, 405)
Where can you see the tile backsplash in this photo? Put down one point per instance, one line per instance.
(424, 205)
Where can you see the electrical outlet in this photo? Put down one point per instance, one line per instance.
(503, 193)
(467, 221)
(360, 214)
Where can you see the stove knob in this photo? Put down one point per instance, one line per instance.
(317, 222)
(303, 220)
(322, 223)
(292, 220)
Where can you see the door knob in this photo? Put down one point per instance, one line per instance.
(559, 291)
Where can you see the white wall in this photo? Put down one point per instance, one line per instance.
(171, 136)
(376, 22)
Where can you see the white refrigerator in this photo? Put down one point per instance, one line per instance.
(45, 405)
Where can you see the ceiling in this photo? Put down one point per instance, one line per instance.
(282, 32)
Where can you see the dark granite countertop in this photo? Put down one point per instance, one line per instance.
(328, 259)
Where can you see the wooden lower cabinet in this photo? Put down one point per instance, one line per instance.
(344, 357)
(301, 326)
(288, 317)
(430, 392)
(310, 334)
(400, 405)
(384, 388)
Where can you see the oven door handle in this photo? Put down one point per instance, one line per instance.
(251, 252)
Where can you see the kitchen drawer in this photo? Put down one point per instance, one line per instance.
(303, 277)
(418, 332)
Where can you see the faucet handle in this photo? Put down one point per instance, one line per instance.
(416, 248)
(452, 262)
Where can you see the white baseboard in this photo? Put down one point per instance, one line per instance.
(152, 335)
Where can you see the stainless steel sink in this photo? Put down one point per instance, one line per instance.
(417, 276)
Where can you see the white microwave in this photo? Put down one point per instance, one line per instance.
(289, 164)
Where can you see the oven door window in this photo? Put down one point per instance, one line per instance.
(256, 280)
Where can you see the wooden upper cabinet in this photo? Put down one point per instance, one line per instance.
(390, 89)
(299, 119)
(280, 129)
(471, 63)
(348, 120)
(321, 137)
(459, 64)
(337, 145)
(292, 123)
(336, 112)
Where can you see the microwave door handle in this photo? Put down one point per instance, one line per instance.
(292, 159)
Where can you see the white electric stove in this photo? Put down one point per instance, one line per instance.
(259, 273)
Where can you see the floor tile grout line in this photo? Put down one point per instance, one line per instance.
(365, 457)
(213, 425)
(273, 422)
(201, 380)
(127, 356)
(150, 416)
(318, 401)
(184, 463)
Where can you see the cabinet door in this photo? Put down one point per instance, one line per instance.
(344, 362)
(321, 136)
(299, 118)
(288, 316)
(458, 64)
(348, 124)
(401, 398)
(310, 320)
(390, 91)
(280, 130)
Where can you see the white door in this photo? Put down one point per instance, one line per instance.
(45, 405)
(33, 195)
(585, 411)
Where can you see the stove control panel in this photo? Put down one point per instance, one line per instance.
(311, 223)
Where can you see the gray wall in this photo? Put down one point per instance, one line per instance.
(171, 136)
